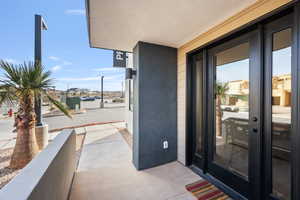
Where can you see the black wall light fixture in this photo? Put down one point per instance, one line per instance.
(130, 73)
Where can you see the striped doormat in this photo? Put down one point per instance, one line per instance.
(204, 190)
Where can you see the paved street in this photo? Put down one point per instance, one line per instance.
(111, 112)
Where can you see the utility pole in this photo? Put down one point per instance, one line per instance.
(39, 26)
(122, 92)
(67, 91)
(102, 100)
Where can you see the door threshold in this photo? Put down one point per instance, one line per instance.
(226, 189)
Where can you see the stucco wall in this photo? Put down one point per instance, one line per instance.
(260, 8)
(154, 105)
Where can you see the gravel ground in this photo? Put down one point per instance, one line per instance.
(6, 174)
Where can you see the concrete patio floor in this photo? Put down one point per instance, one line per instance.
(106, 172)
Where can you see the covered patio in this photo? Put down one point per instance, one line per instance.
(105, 171)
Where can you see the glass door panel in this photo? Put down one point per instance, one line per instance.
(278, 97)
(234, 73)
(232, 109)
(281, 114)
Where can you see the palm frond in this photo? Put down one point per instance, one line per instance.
(7, 94)
(59, 105)
(25, 80)
(11, 72)
(34, 76)
(221, 89)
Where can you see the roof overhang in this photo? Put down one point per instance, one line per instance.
(119, 24)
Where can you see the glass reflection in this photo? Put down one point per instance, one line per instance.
(281, 114)
(232, 109)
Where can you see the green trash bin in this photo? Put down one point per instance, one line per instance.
(73, 103)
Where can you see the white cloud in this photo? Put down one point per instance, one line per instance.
(105, 69)
(54, 58)
(10, 60)
(79, 79)
(67, 63)
(75, 12)
(59, 66)
(93, 78)
(108, 69)
(56, 68)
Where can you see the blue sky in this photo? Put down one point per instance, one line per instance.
(66, 50)
(240, 70)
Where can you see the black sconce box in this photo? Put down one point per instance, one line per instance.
(130, 73)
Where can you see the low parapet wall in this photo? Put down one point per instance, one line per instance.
(49, 175)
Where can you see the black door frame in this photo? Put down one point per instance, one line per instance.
(198, 75)
(296, 99)
(293, 7)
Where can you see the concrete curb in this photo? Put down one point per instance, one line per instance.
(48, 115)
(83, 125)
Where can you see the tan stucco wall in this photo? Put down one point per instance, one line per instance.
(260, 8)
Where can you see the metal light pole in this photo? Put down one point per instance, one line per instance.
(122, 92)
(39, 26)
(102, 100)
(41, 129)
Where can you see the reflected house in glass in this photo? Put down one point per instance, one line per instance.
(281, 94)
(238, 93)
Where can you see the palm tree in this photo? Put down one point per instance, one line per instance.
(23, 84)
(221, 90)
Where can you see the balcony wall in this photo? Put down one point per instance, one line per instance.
(49, 175)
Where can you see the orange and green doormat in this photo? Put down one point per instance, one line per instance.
(204, 190)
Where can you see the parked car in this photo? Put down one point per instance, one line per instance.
(230, 108)
(87, 98)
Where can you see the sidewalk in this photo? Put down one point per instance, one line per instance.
(106, 172)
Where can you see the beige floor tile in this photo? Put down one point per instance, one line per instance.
(106, 172)
(184, 196)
